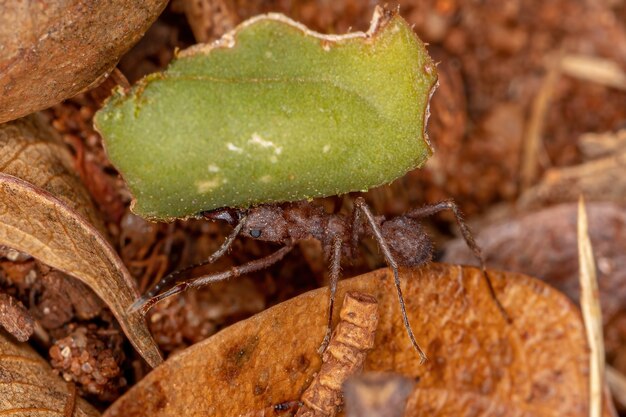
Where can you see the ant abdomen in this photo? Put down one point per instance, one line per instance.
(408, 242)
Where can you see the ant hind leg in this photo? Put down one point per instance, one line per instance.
(335, 270)
(431, 209)
(360, 204)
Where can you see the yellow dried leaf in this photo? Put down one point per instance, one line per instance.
(478, 364)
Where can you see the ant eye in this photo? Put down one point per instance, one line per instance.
(255, 233)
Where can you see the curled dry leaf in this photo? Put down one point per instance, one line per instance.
(53, 50)
(36, 222)
(45, 218)
(28, 387)
(543, 244)
(34, 152)
(478, 364)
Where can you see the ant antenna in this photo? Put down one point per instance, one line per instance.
(233, 272)
(146, 301)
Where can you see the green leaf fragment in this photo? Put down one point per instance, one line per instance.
(273, 112)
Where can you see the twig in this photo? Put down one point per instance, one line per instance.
(345, 355)
(617, 383)
(588, 68)
(532, 136)
(598, 70)
(592, 315)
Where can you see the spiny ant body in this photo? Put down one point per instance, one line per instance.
(401, 240)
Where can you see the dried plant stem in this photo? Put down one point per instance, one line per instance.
(617, 383)
(533, 146)
(602, 71)
(345, 355)
(592, 315)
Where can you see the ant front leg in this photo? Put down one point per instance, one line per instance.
(233, 272)
(335, 270)
(355, 223)
(360, 204)
(431, 209)
(144, 302)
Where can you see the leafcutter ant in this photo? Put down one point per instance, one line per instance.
(401, 240)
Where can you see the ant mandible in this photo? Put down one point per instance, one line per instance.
(402, 241)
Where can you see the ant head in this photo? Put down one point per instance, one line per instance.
(230, 215)
(266, 223)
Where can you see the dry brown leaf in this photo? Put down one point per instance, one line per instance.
(479, 364)
(543, 244)
(43, 215)
(344, 356)
(36, 222)
(53, 50)
(29, 388)
(34, 152)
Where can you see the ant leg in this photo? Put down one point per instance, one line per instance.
(233, 272)
(355, 222)
(335, 269)
(431, 209)
(141, 302)
(362, 205)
